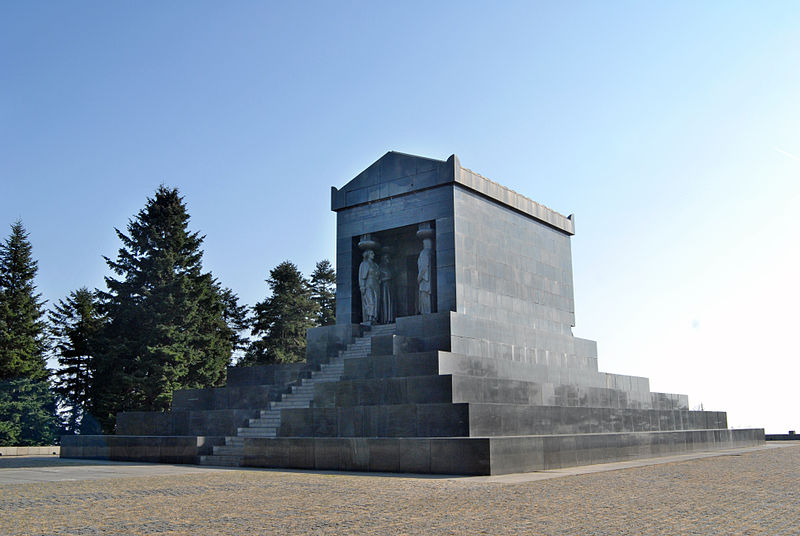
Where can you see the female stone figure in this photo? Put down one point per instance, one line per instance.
(424, 268)
(369, 284)
(387, 294)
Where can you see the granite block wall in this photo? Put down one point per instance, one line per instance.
(514, 272)
(184, 423)
(266, 374)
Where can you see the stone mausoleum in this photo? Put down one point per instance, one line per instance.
(452, 353)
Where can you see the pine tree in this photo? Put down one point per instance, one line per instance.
(283, 318)
(323, 291)
(27, 413)
(27, 407)
(23, 341)
(237, 317)
(75, 323)
(166, 326)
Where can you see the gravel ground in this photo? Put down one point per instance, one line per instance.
(753, 493)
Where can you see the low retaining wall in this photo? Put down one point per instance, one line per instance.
(158, 449)
(30, 451)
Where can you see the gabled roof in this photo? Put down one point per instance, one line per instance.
(396, 174)
(391, 175)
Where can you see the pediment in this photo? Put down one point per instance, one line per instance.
(391, 175)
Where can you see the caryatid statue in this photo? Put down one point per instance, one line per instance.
(425, 268)
(369, 283)
(387, 292)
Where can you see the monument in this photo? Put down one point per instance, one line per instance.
(453, 352)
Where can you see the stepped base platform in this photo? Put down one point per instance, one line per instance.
(486, 455)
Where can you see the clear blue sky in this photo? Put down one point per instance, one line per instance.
(671, 130)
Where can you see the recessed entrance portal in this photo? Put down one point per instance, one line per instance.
(397, 254)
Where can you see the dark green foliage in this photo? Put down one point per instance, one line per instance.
(166, 327)
(27, 413)
(236, 316)
(27, 407)
(282, 319)
(323, 291)
(22, 331)
(75, 323)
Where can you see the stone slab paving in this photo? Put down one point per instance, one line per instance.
(747, 491)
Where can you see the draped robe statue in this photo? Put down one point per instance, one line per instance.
(387, 293)
(369, 284)
(424, 270)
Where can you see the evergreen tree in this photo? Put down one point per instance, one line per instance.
(75, 323)
(166, 323)
(237, 317)
(282, 319)
(323, 291)
(23, 342)
(27, 407)
(27, 413)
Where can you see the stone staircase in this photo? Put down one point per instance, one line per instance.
(300, 395)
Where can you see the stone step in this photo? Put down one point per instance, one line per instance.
(288, 405)
(327, 371)
(259, 423)
(269, 422)
(258, 432)
(224, 450)
(224, 461)
(327, 375)
(298, 396)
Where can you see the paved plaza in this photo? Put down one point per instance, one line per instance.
(742, 491)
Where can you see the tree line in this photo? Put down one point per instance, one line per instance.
(161, 324)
